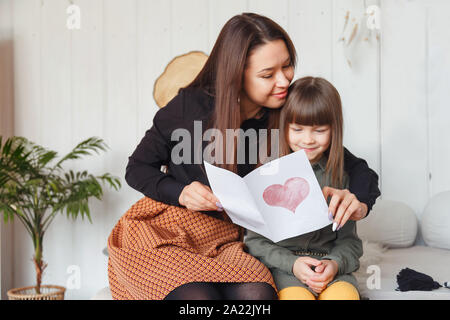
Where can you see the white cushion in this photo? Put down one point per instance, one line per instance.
(435, 224)
(391, 223)
(431, 261)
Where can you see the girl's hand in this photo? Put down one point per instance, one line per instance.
(302, 268)
(198, 197)
(323, 275)
(344, 206)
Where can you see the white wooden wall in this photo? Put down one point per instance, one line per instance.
(6, 130)
(98, 81)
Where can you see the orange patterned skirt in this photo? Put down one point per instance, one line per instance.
(155, 248)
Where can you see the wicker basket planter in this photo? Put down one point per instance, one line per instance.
(48, 292)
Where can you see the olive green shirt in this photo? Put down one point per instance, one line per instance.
(342, 246)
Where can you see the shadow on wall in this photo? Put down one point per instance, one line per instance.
(6, 88)
(6, 130)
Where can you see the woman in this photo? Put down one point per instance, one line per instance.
(177, 243)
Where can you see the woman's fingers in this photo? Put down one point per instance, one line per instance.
(326, 192)
(336, 197)
(347, 200)
(334, 204)
(212, 197)
(209, 196)
(198, 197)
(360, 213)
(353, 208)
(343, 206)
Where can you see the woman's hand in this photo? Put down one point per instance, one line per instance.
(344, 206)
(198, 197)
(302, 268)
(323, 275)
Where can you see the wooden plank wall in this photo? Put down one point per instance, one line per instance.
(6, 131)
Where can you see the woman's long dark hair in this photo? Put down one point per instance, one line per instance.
(223, 73)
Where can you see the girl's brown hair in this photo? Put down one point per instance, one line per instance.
(315, 102)
(223, 73)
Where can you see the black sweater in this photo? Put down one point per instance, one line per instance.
(144, 174)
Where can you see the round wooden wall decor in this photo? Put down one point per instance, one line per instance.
(178, 73)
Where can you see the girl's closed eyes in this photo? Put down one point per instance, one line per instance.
(315, 140)
(297, 128)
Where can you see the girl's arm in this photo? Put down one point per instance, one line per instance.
(347, 249)
(363, 180)
(269, 253)
(143, 171)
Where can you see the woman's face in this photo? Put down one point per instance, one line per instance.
(267, 76)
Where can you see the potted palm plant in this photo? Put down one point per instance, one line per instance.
(34, 187)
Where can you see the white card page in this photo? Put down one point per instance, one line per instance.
(279, 200)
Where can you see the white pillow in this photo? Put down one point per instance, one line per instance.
(391, 223)
(435, 224)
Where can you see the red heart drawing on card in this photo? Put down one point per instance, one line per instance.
(289, 196)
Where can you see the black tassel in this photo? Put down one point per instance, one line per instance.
(408, 279)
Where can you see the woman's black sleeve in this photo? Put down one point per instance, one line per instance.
(363, 180)
(143, 171)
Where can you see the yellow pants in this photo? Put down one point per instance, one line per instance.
(339, 290)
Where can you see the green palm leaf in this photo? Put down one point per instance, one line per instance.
(83, 148)
(34, 192)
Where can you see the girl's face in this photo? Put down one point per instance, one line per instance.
(267, 76)
(315, 140)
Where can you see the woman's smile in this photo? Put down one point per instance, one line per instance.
(281, 95)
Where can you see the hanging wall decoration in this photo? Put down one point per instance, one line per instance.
(178, 73)
(359, 29)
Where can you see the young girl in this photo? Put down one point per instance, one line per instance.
(317, 264)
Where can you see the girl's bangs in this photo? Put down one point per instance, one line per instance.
(310, 110)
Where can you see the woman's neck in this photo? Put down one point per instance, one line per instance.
(249, 109)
